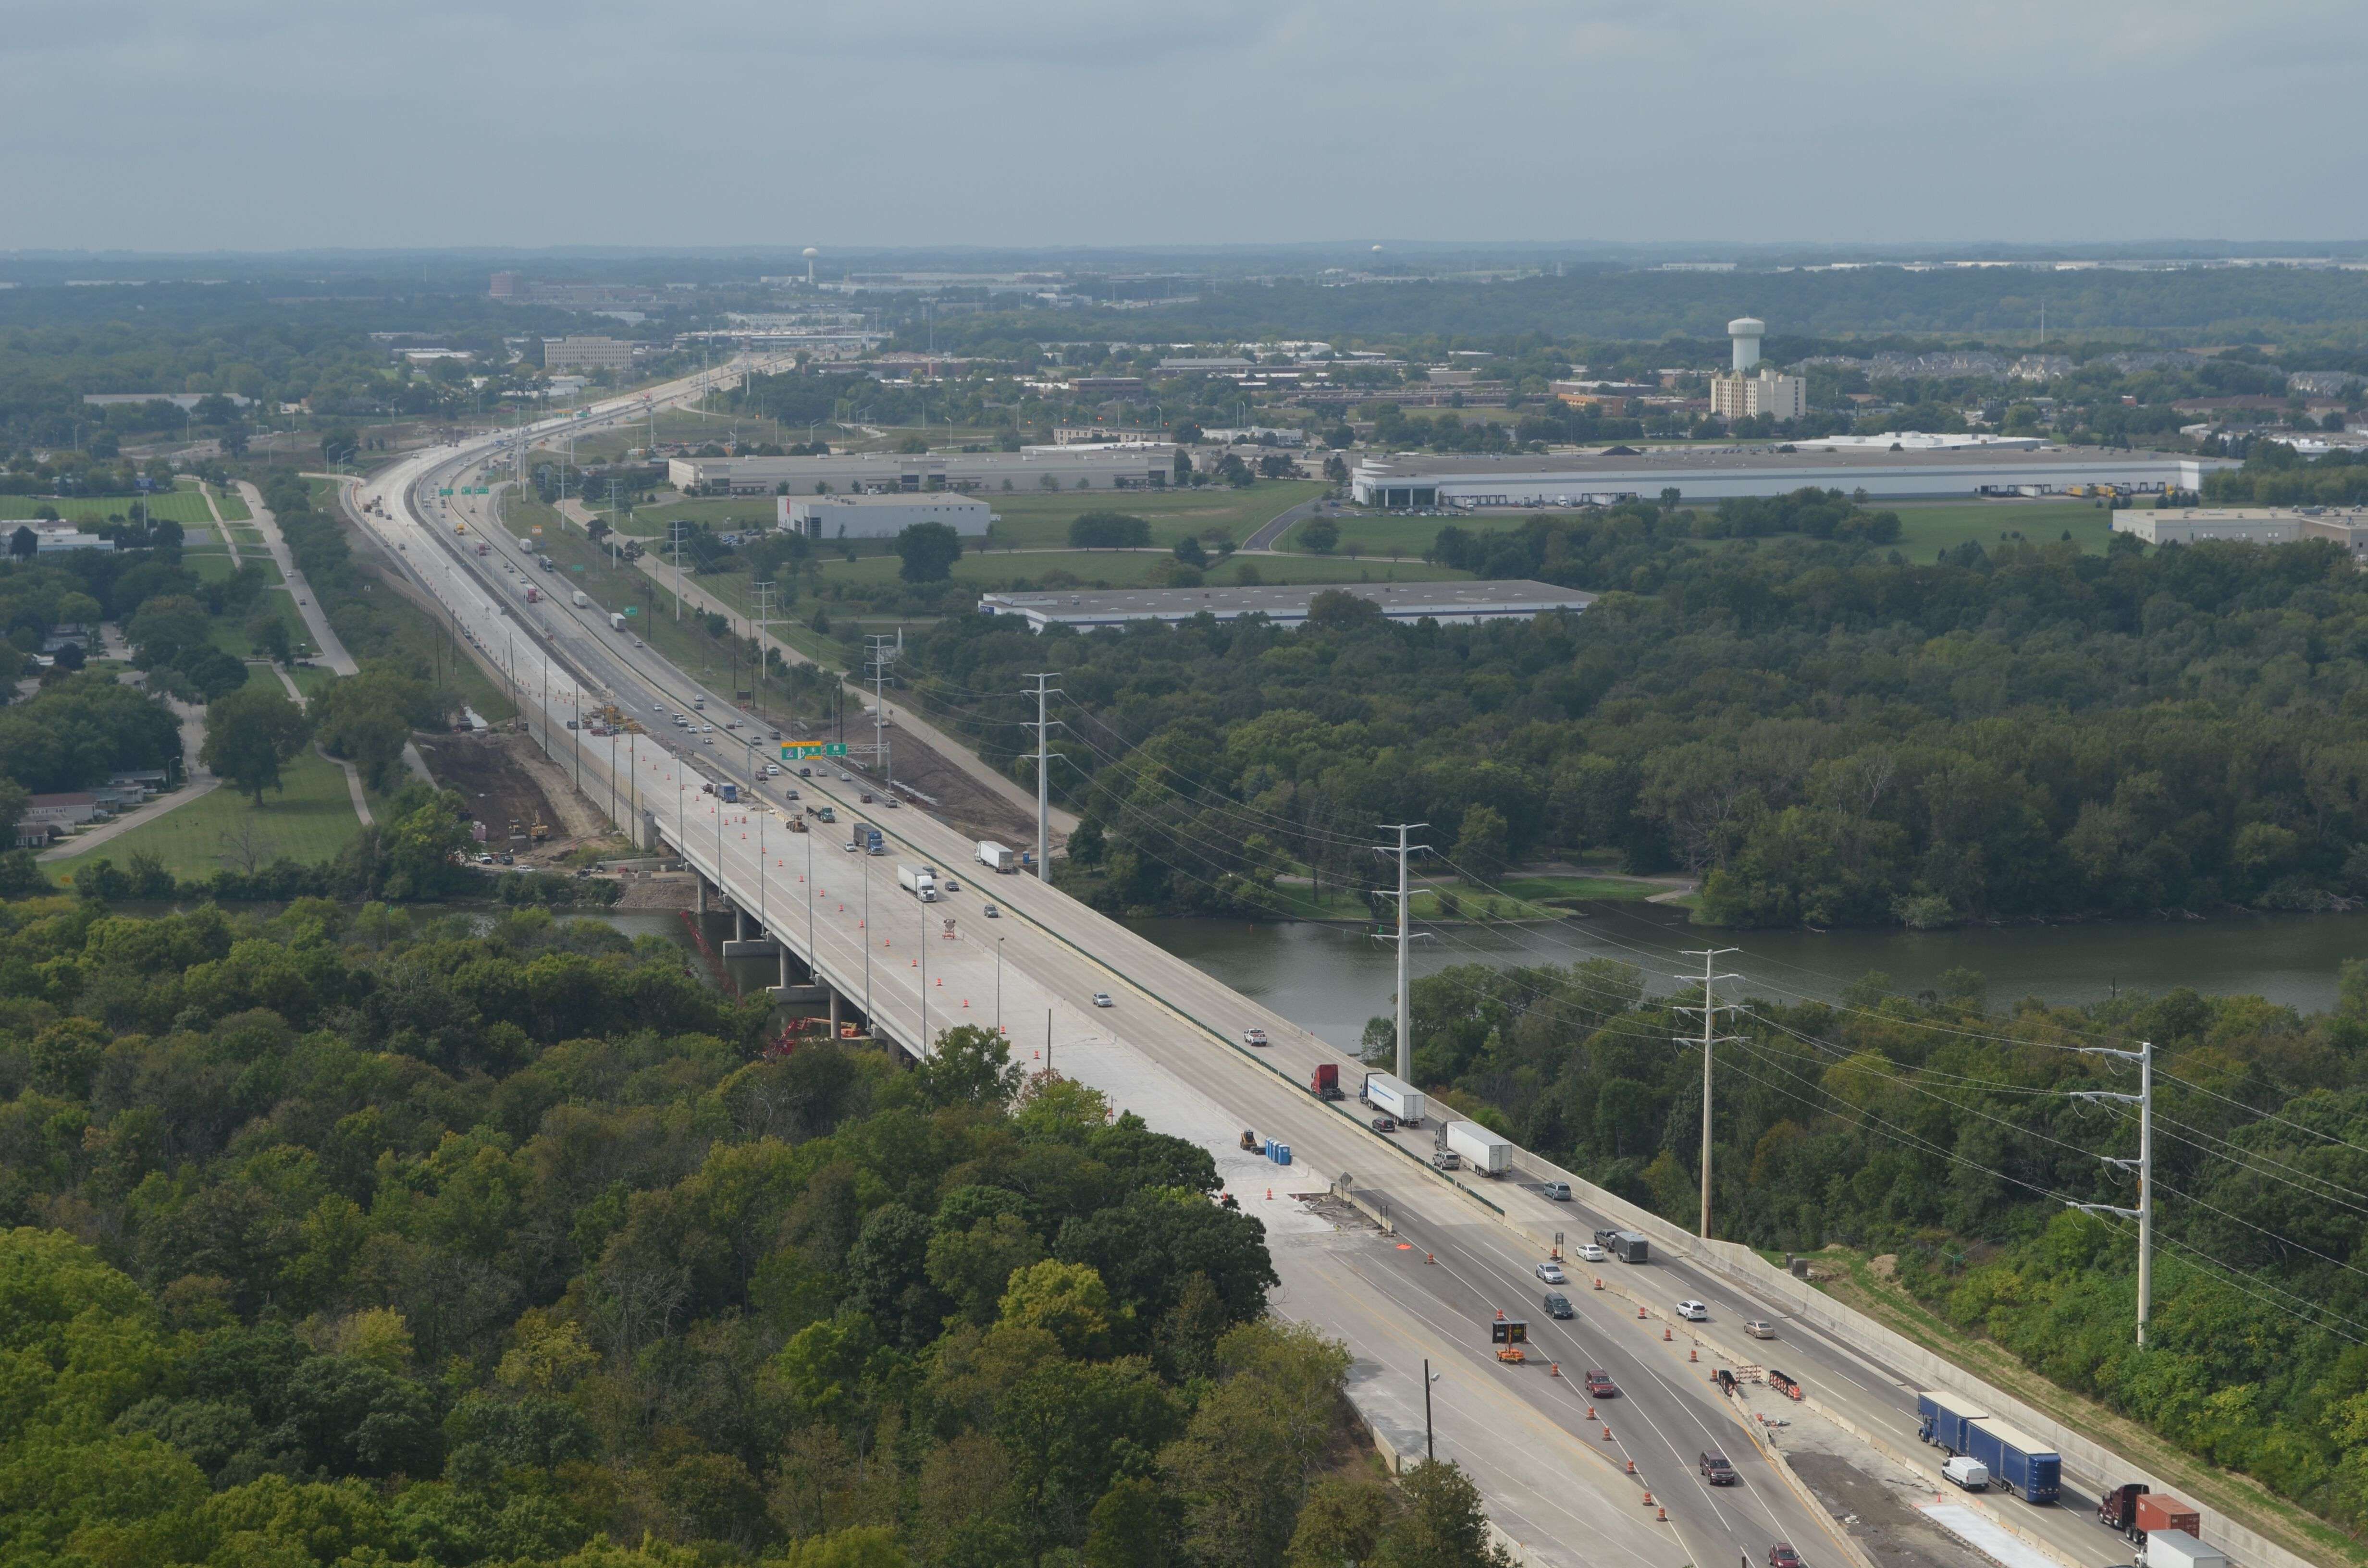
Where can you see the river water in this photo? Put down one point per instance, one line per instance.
(1331, 979)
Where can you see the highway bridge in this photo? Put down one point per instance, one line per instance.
(1565, 1475)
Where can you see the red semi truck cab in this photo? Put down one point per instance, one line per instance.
(1324, 1082)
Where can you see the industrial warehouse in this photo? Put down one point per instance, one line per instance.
(1043, 468)
(1900, 468)
(880, 516)
(1449, 604)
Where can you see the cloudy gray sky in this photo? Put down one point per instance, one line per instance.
(268, 124)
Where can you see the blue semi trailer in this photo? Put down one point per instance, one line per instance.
(1942, 1420)
(2020, 1462)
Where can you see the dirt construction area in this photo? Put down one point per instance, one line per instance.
(504, 779)
(953, 797)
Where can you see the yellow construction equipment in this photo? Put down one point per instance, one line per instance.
(541, 829)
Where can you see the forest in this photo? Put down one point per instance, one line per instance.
(1943, 1130)
(1825, 732)
(346, 1236)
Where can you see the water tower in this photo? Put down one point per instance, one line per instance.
(811, 253)
(1745, 332)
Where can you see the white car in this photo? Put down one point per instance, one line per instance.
(1551, 1272)
(1693, 1312)
(1589, 1253)
(1102, 999)
(1254, 1037)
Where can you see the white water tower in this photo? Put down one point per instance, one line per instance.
(1745, 332)
(811, 253)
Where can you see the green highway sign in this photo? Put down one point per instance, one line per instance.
(792, 750)
(446, 491)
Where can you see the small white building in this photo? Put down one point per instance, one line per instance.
(880, 516)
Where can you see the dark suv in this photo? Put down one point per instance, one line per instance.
(1716, 1470)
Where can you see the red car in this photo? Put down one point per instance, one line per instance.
(1600, 1386)
(1781, 1555)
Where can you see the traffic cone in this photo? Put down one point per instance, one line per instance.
(1693, 1355)
(965, 1001)
(1664, 1336)
(1632, 1466)
(1640, 1314)
(1663, 1517)
(1648, 1499)
(1428, 1258)
(941, 979)
(1270, 1195)
(1607, 1434)
(1590, 1413)
(1553, 1369)
(1598, 1283)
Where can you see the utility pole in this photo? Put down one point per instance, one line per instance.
(676, 529)
(759, 622)
(883, 652)
(1405, 1032)
(1043, 775)
(2143, 1165)
(1709, 1009)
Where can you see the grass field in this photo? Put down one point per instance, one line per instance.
(1135, 568)
(1038, 519)
(1925, 527)
(186, 507)
(233, 504)
(1928, 527)
(311, 821)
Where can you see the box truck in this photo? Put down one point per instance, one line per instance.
(1626, 1245)
(1488, 1153)
(995, 857)
(581, 598)
(1941, 1419)
(1393, 1097)
(729, 792)
(918, 880)
(2177, 1548)
(616, 620)
(2028, 1467)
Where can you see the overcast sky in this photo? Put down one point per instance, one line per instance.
(271, 124)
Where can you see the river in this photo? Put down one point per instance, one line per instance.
(1331, 979)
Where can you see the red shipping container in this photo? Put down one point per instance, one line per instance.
(2161, 1511)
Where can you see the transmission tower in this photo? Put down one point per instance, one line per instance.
(1044, 772)
(1709, 1009)
(1402, 850)
(2143, 1165)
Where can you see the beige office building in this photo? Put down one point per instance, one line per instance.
(1741, 396)
(586, 354)
(2247, 525)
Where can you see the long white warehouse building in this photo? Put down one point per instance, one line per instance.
(1062, 468)
(1418, 482)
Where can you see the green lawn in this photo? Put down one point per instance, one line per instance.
(1928, 527)
(1043, 517)
(186, 507)
(1039, 519)
(311, 821)
(1378, 536)
(1133, 569)
(233, 504)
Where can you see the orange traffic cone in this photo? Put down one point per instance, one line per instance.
(1664, 1336)
(1648, 1499)
(1607, 1434)
(1640, 1314)
(1693, 1355)
(1662, 1518)
(1632, 1467)
(1553, 1369)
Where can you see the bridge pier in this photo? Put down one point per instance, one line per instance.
(700, 880)
(744, 928)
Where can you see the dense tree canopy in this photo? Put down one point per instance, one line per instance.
(346, 1236)
(1828, 733)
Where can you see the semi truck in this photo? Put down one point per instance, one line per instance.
(1488, 1153)
(862, 835)
(921, 881)
(1393, 1097)
(2137, 1512)
(1324, 1082)
(2177, 1548)
(995, 857)
(2027, 1467)
(1942, 1420)
(533, 594)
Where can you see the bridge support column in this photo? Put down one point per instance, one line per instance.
(745, 927)
(785, 982)
(834, 1012)
(701, 881)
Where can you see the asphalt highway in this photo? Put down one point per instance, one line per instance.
(1169, 1047)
